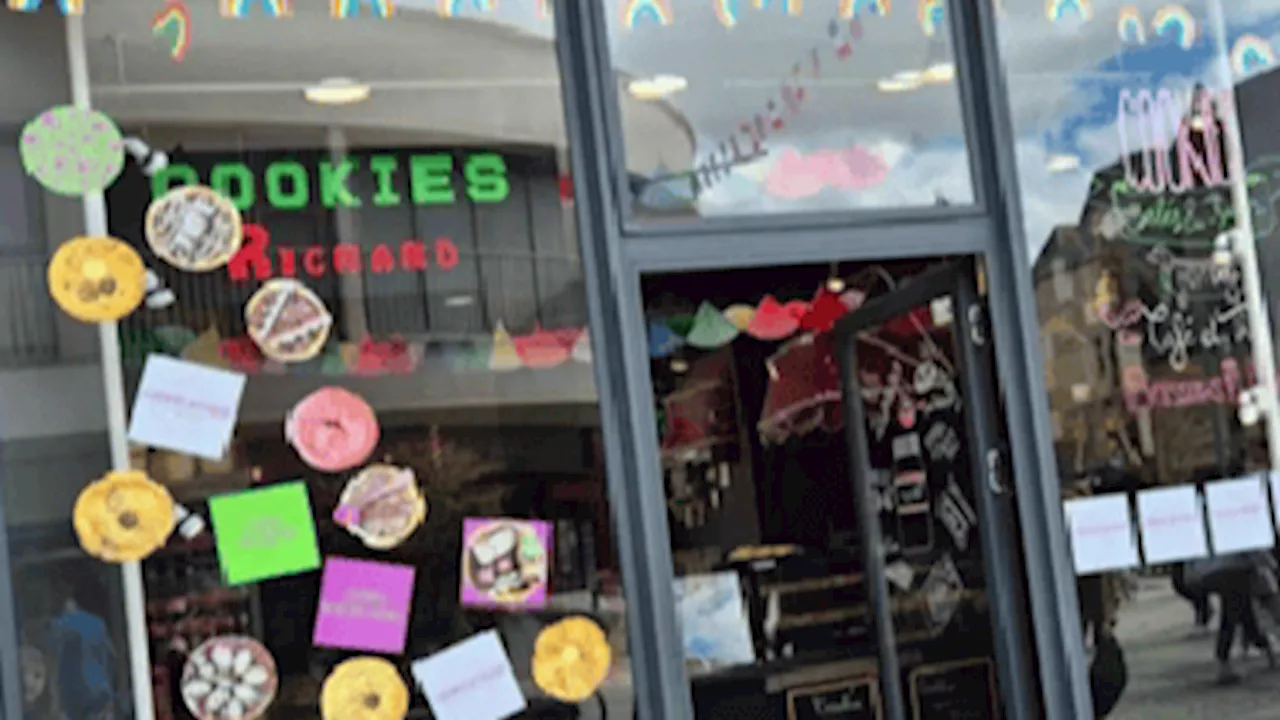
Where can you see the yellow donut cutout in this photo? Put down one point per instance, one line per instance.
(97, 279)
(571, 659)
(364, 688)
(123, 517)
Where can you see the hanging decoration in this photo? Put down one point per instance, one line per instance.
(772, 321)
(858, 8)
(241, 8)
(351, 8)
(543, 349)
(72, 151)
(571, 659)
(194, 228)
(453, 8)
(710, 328)
(823, 313)
(740, 316)
(503, 357)
(1060, 10)
(66, 7)
(364, 688)
(1251, 54)
(582, 352)
(123, 517)
(932, 15)
(635, 11)
(793, 176)
(803, 392)
(663, 341)
(97, 279)
(1176, 22)
(332, 430)
(229, 677)
(382, 506)
(173, 25)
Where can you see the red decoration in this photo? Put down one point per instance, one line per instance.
(772, 321)
(545, 348)
(824, 312)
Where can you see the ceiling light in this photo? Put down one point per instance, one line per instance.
(1062, 162)
(835, 285)
(943, 72)
(337, 91)
(656, 87)
(899, 84)
(679, 365)
(458, 301)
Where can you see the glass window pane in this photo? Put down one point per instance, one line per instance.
(1124, 116)
(759, 108)
(423, 204)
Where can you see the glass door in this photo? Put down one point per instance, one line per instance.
(938, 528)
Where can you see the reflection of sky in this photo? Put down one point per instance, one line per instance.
(1066, 82)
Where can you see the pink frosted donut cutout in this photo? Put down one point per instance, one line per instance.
(332, 429)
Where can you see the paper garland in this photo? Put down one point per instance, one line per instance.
(72, 151)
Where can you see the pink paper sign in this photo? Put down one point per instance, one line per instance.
(364, 605)
(505, 562)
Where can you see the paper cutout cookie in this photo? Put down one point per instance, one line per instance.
(287, 321)
(123, 517)
(382, 505)
(97, 279)
(194, 228)
(332, 430)
(229, 678)
(364, 688)
(571, 659)
(72, 151)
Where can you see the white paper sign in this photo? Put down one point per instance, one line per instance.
(1274, 477)
(471, 680)
(1101, 530)
(1172, 524)
(186, 407)
(1239, 517)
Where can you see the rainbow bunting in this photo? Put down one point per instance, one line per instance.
(351, 8)
(857, 8)
(240, 8)
(1059, 10)
(726, 12)
(1177, 22)
(173, 23)
(1250, 54)
(793, 7)
(453, 8)
(1129, 26)
(932, 16)
(634, 10)
(544, 8)
(67, 7)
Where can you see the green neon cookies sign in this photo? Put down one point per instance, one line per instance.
(419, 179)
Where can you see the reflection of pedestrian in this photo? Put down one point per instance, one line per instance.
(1198, 598)
(84, 658)
(1235, 587)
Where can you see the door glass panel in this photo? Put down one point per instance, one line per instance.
(761, 108)
(763, 499)
(908, 370)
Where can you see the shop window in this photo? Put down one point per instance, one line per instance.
(416, 470)
(747, 108)
(1124, 116)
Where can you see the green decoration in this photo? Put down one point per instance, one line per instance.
(72, 151)
(486, 176)
(173, 339)
(711, 329)
(680, 324)
(264, 533)
(333, 184)
(431, 179)
(299, 192)
(233, 181)
(173, 176)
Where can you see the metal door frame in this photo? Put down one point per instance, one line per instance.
(617, 253)
(955, 279)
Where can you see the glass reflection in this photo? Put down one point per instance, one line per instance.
(754, 108)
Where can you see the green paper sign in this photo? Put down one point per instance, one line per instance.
(264, 533)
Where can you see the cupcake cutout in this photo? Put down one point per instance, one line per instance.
(571, 659)
(194, 228)
(710, 328)
(382, 506)
(287, 321)
(72, 151)
(229, 678)
(96, 279)
(503, 357)
(123, 517)
(364, 688)
(772, 321)
(332, 430)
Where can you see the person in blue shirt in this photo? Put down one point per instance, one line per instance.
(85, 659)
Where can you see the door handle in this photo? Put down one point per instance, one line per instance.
(994, 468)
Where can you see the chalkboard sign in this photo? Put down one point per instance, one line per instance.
(852, 699)
(964, 690)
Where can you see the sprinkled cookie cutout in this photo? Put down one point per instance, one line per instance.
(287, 321)
(382, 505)
(229, 678)
(72, 151)
(194, 228)
(332, 429)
